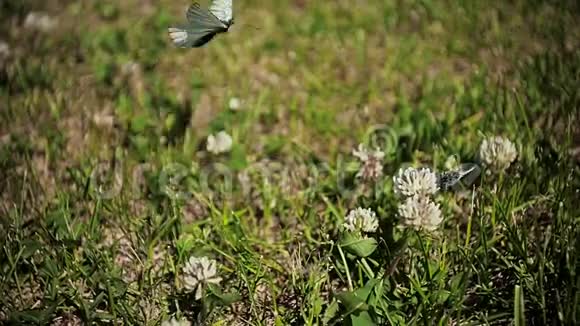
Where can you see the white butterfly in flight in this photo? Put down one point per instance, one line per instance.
(202, 25)
(464, 175)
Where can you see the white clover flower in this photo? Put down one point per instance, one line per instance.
(410, 181)
(39, 21)
(497, 153)
(361, 219)
(4, 49)
(130, 67)
(197, 273)
(219, 143)
(372, 163)
(176, 322)
(420, 212)
(235, 104)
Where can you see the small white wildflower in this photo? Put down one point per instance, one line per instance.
(39, 21)
(104, 120)
(197, 273)
(363, 219)
(219, 143)
(130, 67)
(176, 322)
(372, 168)
(420, 213)
(497, 153)
(4, 49)
(235, 104)
(410, 181)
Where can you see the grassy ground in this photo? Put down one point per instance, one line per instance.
(106, 188)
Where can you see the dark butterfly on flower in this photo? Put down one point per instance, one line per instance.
(202, 25)
(464, 175)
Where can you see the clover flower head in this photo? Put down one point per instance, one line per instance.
(39, 21)
(361, 219)
(4, 50)
(497, 153)
(420, 212)
(411, 181)
(372, 163)
(219, 143)
(235, 104)
(198, 272)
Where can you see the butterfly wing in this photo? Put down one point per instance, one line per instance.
(201, 28)
(185, 37)
(223, 10)
(465, 175)
(199, 16)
